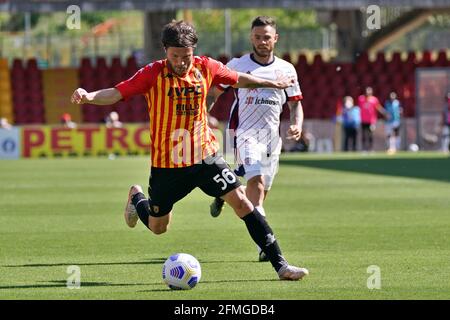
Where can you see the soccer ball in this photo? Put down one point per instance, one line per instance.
(413, 147)
(181, 271)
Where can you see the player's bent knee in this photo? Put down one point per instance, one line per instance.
(158, 229)
(159, 225)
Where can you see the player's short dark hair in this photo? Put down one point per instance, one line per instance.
(179, 34)
(263, 21)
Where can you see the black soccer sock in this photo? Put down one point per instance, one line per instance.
(262, 234)
(142, 206)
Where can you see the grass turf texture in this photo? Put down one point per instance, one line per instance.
(334, 214)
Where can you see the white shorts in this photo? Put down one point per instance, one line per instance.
(446, 131)
(254, 162)
(390, 127)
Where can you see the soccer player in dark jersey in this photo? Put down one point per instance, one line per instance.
(183, 147)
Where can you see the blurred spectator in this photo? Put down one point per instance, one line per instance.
(369, 105)
(393, 111)
(446, 126)
(112, 120)
(351, 120)
(66, 120)
(4, 124)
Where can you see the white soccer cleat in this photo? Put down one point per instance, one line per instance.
(130, 214)
(288, 272)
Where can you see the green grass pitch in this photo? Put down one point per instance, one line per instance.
(334, 214)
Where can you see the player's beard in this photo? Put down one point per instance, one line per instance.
(180, 70)
(263, 54)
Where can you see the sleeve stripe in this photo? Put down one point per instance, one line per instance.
(295, 98)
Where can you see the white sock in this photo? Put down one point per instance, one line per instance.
(261, 210)
(392, 143)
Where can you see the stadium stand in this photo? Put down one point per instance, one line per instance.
(27, 92)
(323, 83)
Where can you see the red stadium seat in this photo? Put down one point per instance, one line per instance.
(362, 62)
(116, 64)
(35, 87)
(411, 58)
(302, 63)
(35, 97)
(36, 110)
(131, 63)
(287, 57)
(19, 94)
(17, 64)
(100, 63)
(382, 78)
(379, 65)
(116, 77)
(396, 58)
(32, 64)
(318, 63)
(426, 59)
(86, 63)
(366, 79)
(442, 60)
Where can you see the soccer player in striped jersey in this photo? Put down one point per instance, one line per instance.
(183, 147)
(255, 116)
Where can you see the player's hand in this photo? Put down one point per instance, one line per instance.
(294, 133)
(79, 96)
(284, 82)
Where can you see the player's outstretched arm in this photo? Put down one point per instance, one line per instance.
(248, 81)
(295, 129)
(101, 97)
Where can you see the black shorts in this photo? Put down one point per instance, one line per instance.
(169, 185)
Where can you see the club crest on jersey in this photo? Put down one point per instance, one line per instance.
(198, 75)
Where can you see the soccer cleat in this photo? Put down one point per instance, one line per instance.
(216, 207)
(130, 214)
(288, 272)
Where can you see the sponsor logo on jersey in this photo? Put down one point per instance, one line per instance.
(176, 92)
(255, 100)
(187, 109)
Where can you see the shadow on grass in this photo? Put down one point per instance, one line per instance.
(37, 265)
(213, 282)
(146, 262)
(63, 284)
(419, 168)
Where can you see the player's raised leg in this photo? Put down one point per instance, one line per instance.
(138, 207)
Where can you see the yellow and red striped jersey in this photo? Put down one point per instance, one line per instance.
(179, 131)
